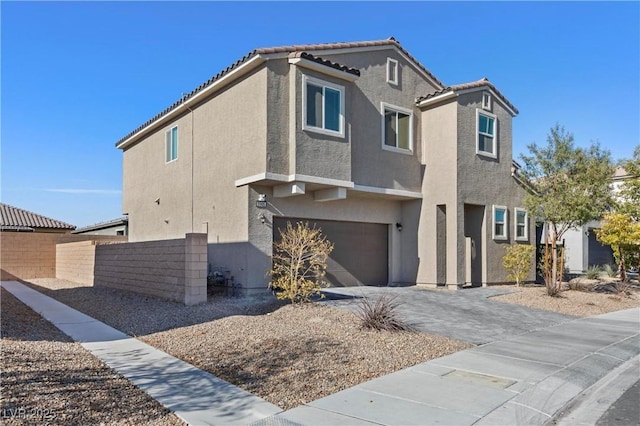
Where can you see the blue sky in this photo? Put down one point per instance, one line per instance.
(78, 76)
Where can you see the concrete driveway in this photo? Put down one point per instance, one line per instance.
(467, 314)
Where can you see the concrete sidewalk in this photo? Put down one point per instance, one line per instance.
(195, 396)
(523, 380)
(529, 378)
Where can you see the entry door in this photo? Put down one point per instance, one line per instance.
(473, 226)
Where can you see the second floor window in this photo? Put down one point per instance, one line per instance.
(324, 104)
(486, 135)
(171, 144)
(396, 128)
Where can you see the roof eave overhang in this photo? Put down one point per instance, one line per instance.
(323, 69)
(437, 99)
(239, 72)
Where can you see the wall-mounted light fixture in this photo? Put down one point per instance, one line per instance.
(261, 202)
(399, 226)
(157, 201)
(262, 218)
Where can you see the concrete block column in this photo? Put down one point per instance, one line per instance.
(195, 269)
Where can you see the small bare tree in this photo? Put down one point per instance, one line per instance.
(299, 263)
(517, 261)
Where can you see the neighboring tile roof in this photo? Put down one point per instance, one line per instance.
(325, 62)
(484, 82)
(13, 218)
(282, 49)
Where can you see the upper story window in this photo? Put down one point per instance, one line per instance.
(486, 142)
(521, 225)
(323, 107)
(392, 71)
(171, 144)
(486, 100)
(500, 222)
(397, 128)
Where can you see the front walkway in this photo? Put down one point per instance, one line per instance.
(195, 396)
(466, 314)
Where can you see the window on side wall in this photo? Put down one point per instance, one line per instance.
(171, 144)
(324, 107)
(500, 222)
(392, 71)
(486, 143)
(521, 225)
(397, 128)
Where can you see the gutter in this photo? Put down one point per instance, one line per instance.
(229, 78)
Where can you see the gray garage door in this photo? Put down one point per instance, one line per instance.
(359, 254)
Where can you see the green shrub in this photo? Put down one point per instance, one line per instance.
(381, 314)
(593, 272)
(517, 261)
(299, 263)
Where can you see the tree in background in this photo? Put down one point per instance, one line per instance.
(622, 233)
(299, 263)
(517, 261)
(570, 188)
(630, 190)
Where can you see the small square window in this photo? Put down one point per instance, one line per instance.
(392, 71)
(486, 100)
(486, 135)
(171, 144)
(324, 104)
(521, 225)
(397, 133)
(500, 222)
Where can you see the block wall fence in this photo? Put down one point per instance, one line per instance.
(25, 255)
(170, 269)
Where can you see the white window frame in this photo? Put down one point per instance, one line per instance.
(389, 107)
(504, 236)
(322, 83)
(526, 224)
(169, 155)
(493, 154)
(486, 101)
(392, 64)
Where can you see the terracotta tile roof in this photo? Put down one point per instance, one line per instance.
(325, 62)
(13, 218)
(484, 82)
(282, 49)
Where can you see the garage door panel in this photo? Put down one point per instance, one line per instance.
(360, 253)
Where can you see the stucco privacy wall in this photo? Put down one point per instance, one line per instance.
(26, 255)
(170, 269)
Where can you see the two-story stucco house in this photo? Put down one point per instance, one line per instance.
(412, 180)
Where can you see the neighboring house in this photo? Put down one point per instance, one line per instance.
(411, 179)
(582, 247)
(112, 227)
(13, 219)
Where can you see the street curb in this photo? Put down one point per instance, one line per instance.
(593, 402)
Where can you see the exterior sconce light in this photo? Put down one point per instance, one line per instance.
(261, 202)
(399, 226)
(157, 201)
(262, 218)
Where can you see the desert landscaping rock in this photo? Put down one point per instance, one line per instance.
(48, 379)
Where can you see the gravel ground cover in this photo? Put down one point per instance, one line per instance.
(286, 354)
(571, 302)
(46, 378)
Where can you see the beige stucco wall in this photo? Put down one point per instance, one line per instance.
(439, 187)
(219, 142)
